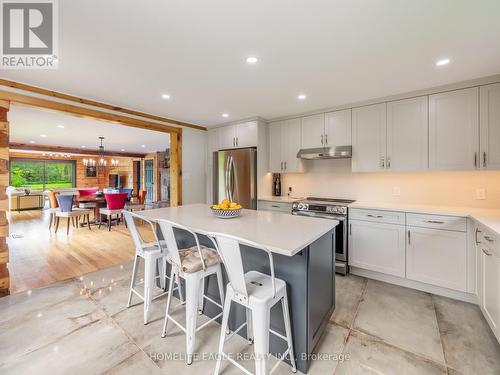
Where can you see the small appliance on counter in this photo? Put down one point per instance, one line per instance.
(276, 185)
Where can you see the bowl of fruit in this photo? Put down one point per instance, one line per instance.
(226, 209)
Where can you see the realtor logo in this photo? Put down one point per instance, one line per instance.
(29, 34)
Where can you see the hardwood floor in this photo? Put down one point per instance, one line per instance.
(39, 257)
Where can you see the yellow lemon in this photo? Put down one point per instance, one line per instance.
(225, 201)
(233, 204)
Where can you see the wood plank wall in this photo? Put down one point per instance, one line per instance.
(124, 168)
(4, 182)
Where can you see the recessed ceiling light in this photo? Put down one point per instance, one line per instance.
(165, 96)
(122, 150)
(225, 115)
(143, 146)
(442, 62)
(301, 96)
(84, 146)
(252, 60)
(60, 126)
(43, 135)
(32, 141)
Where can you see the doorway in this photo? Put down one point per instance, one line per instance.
(149, 179)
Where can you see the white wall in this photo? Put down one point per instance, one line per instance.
(194, 146)
(333, 178)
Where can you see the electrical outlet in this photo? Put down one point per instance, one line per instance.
(396, 191)
(481, 193)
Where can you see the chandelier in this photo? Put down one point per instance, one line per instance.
(101, 160)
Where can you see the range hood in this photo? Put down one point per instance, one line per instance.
(338, 152)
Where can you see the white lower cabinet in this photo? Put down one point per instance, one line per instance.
(437, 257)
(488, 277)
(377, 247)
(490, 288)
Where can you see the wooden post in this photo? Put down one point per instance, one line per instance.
(4, 204)
(176, 169)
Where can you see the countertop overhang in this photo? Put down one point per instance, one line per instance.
(280, 233)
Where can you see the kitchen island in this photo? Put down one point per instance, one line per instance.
(304, 257)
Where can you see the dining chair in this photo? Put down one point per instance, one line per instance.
(67, 210)
(154, 256)
(115, 203)
(128, 191)
(142, 196)
(257, 293)
(54, 205)
(192, 264)
(87, 191)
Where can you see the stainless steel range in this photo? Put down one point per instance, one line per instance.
(328, 208)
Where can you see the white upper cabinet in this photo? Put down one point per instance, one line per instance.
(407, 134)
(454, 130)
(227, 136)
(246, 134)
(338, 128)
(238, 136)
(291, 141)
(313, 131)
(284, 143)
(275, 152)
(369, 138)
(490, 126)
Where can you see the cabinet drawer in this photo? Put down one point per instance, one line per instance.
(489, 240)
(455, 223)
(275, 206)
(379, 216)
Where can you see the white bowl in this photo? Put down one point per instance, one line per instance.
(226, 214)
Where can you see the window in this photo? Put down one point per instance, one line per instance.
(42, 174)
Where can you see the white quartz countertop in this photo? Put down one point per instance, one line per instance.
(281, 234)
(488, 217)
(285, 199)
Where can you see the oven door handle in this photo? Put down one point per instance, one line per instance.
(331, 217)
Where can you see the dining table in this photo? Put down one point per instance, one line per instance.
(98, 199)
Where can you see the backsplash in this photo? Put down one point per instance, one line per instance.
(333, 178)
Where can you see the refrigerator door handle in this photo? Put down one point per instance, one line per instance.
(226, 177)
(231, 179)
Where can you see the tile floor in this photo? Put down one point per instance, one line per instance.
(81, 326)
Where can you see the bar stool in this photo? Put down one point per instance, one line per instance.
(258, 293)
(153, 255)
(193, 264)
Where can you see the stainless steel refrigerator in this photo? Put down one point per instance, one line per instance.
(235, 176)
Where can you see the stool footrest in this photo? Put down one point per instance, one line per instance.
(278, 335)
(235, 332)
(236, 364)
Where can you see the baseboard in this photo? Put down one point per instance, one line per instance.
(461, 296)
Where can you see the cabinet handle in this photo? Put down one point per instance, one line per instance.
(281, 165)
(475, 159)
(484, 159)
(234, 141)
(350, 229)
(388, 162)
(273, 205)
(326, 139)
(237, 141)
(285, 164)
(382, 162)
(488, 238)
(409, 237)
(433, 221)
(377, 216)
(486, 252)
(477, 231)
(322, 141)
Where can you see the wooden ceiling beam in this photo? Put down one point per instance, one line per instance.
(70, 150)
(94, 103)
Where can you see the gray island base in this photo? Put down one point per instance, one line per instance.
(310, 279)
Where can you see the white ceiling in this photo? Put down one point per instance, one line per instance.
(128, 53)
(28, 124)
